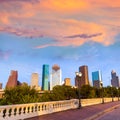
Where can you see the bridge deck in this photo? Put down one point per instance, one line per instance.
(77, 114)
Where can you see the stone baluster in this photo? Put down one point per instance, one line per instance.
(1, 114)
(30, 109)
(22, 110)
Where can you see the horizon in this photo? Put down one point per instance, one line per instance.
(70, 33)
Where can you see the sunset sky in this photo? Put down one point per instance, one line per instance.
(70, 33)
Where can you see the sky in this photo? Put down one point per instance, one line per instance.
(70, 33)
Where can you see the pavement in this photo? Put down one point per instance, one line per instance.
(85, 113)
(112, 115)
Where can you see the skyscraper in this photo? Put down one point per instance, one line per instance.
(97, 79)
(0, 85)
(34, 80)
(45, 77)
(84, 78)
(115, 81)
(12, 80)
(56, 76)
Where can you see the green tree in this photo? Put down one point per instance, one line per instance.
(59, 93)
(87, 91)
(20, 95)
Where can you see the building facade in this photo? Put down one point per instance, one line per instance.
(35, 80)
(12, 80)
(56, 76)
(84, 80)
(97, 79)
(0, 85)
(45, 77)
(67, 82)
(115, 81)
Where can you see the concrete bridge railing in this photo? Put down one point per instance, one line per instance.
(23, 111)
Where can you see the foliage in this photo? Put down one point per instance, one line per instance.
(19, 95)
(87, 91)
(26, 94)
(59, 93)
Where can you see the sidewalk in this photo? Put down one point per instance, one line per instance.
(87, 113)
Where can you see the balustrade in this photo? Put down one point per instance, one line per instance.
(22, 111)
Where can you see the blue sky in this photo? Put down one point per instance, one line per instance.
(18, 53)
(69, 33)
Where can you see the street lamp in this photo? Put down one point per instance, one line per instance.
(102, 92)
(112, 93)
(118, 92)
(79, 75)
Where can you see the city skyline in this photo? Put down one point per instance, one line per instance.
(70, 33)
(44, 66)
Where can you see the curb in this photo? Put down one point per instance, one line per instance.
(102, 113)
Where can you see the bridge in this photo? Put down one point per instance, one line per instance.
(59, 110)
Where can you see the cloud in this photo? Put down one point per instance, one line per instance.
(84, 36)
(80, 20)
(5, 54)
(105, 3)
(64, 5)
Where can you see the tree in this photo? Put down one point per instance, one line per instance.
(59, 93)
(20, 95)
(64, 92)
(87, 91)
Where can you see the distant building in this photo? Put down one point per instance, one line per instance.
(12, 80)
(56, 76)
(67, 82)
(45, 77)
(84, 78)
(19, 83)
(97, 79)
(115, 81)
(0, 85)
(34, 80)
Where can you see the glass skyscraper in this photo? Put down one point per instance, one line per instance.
(45, 77)
(56, 76)
(115, 81)
(97, 78)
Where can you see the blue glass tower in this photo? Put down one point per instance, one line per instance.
(45, 77)
(97, 78)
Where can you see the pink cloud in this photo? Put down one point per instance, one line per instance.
(105, 3)
(60, 18)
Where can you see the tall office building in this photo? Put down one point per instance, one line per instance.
(56, 76)
(67, 81)
(115, 81)
(45, 77)
(84, 78)
(34, 80)
(0, 85)
(12, 80)
(97, 79)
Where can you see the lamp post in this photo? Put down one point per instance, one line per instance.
(79, 75)
(112, 93)
(118, 92)
(102, 92)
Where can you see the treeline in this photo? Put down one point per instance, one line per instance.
(26, 94)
